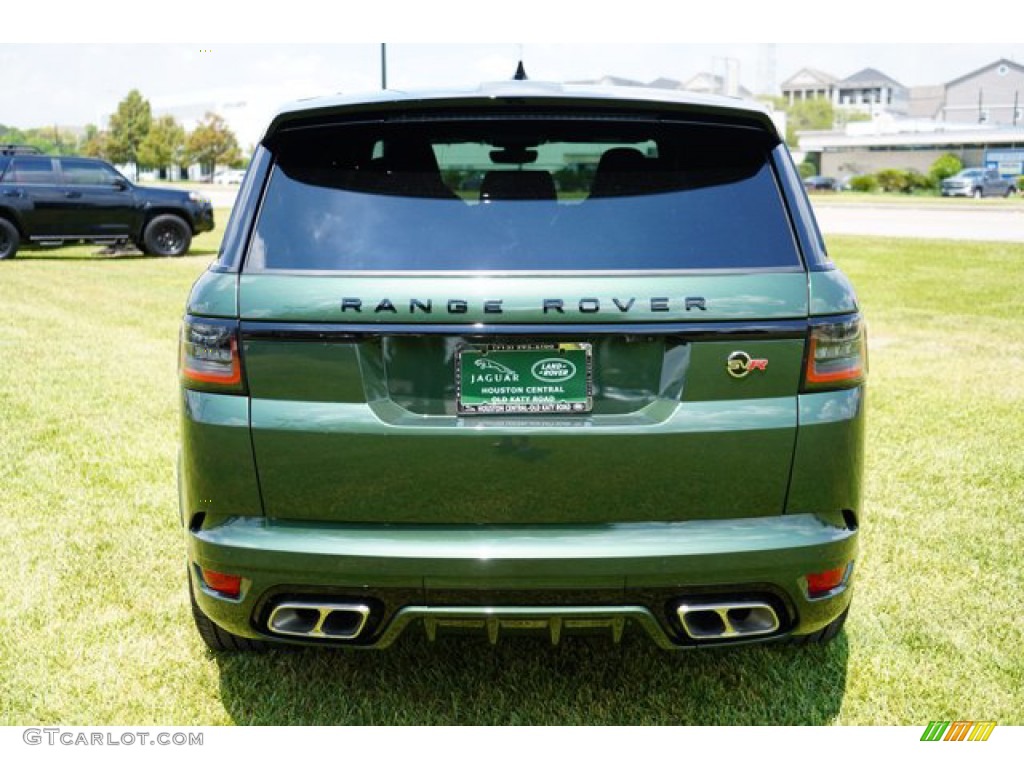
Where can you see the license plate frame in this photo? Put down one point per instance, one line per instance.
(524, 378)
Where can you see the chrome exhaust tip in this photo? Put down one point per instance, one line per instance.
(712, 621)
(331, 621)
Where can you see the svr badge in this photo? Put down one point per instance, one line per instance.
(739, 364)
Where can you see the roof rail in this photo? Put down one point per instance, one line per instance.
(19, 149)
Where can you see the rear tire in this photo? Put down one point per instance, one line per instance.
(220, 640)
(9, 240)
(824, 635)
(167, 235)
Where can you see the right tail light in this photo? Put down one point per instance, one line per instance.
(837, 354)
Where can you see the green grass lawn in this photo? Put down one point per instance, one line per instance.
(918, 200)
(94, 623)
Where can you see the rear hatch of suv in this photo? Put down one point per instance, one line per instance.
(525, 315)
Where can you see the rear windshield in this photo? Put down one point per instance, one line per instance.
(525, 194)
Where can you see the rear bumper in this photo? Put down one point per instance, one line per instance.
(626, 573)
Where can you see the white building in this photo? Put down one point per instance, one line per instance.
(889, 142)
(868, 91)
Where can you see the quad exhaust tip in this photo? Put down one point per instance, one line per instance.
(332, 621)
(703, 621)
(726, 621)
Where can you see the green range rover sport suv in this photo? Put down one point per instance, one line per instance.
(527, 358)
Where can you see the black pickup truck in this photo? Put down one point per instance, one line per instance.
(53, 201)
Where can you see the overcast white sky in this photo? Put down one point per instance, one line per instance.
(73, 83)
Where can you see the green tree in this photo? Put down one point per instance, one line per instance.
(212, 143)
(95, 143)
(11, 135)
(944, 167)
(807, 169)
(49, 140)
(809, 115)
(164, 145)
(129, 126)
(842, 117)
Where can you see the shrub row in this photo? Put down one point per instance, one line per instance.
(897, 180)
(893, 180)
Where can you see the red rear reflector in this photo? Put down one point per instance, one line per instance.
(226, 584)
(819, 584)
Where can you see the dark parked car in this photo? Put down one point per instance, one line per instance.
(607, 404)
(821, 184)
(53, 201)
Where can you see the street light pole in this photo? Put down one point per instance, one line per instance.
(383, 66)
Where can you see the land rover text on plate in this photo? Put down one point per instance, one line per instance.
(526, 358)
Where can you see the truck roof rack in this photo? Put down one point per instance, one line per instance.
(19, 149)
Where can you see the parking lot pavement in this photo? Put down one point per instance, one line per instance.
(221, 195)
(945, 222)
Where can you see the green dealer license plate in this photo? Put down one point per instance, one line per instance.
(524, 378)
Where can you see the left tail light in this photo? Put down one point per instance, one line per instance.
(210, 357)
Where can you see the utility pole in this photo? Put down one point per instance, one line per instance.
(383, 66)
(725, 74)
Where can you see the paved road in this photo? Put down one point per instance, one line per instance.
(946, 222)
(221, 195)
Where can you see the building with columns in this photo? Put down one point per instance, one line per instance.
(872, 92)
(868, 91)
(810, 84)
